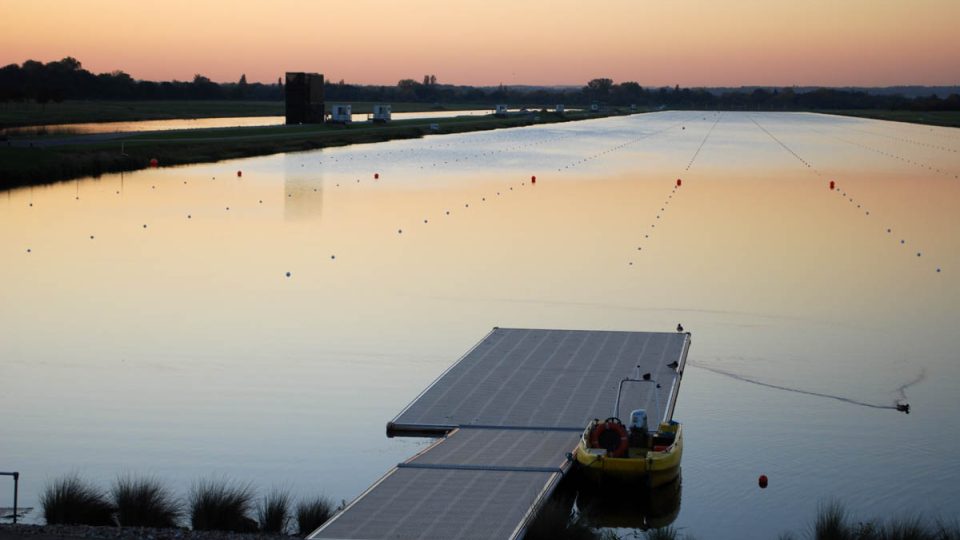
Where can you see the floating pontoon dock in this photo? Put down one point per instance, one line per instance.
(508, 413)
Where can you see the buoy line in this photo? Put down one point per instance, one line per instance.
(663, 210)
(906, 140)
(785, 147)
(616, 147)
(900, 404)
(901, 158)
(704, 141)
(834, 187)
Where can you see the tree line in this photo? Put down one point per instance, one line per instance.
(66, 79)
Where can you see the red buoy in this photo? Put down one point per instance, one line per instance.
(376, 176)
(679, 182)
(762, 481)
(832, 185)
(239, 174)
(154, 162)
(533, 179)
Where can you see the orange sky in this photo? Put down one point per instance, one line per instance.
(662, 42)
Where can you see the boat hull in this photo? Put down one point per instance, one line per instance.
(655, 467)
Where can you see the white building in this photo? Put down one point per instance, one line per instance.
(500, 110)
(559, 108)
(341, 114)
(381, 113)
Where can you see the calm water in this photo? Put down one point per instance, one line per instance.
(202, 123)
(182, 349)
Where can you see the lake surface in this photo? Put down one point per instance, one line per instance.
(202, 123)
(149, 325)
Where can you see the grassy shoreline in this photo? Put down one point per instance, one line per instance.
(24, 114)
(927, 118)
(90, 155)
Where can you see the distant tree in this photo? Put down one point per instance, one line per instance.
(241, 90)
(598, 88)
(204, 88)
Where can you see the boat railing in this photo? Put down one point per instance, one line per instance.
(644, 379)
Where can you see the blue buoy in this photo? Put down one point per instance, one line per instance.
(288, 274)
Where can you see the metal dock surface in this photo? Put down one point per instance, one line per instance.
(547, 378)
(511, 410)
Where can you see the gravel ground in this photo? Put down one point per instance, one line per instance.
(83, 532)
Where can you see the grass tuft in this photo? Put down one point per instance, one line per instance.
(312, 513)
(218, 505)
(274, 512)
(144, 502)
(70, 500)
(665, 533)
(831, 523)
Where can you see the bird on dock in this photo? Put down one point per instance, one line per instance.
(679, 327)
(673, 365)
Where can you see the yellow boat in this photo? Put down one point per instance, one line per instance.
(612, 450)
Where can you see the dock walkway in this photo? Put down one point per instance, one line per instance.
(508, 412)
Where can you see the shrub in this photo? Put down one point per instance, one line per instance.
(831, 522)
(666, 533)
(144, 502)
(274, 512)
(70, 500)
(217, 505)
(313, 513)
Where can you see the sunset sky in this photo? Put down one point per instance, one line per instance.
(663, 42)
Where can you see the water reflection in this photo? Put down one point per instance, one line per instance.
(629, 507)
(197, 123)
(303, 189)
(181, 348)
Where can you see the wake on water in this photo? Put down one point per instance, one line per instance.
(899, 405)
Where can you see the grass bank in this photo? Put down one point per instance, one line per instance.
(92, 155)
(72, 112)
(932, 118)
